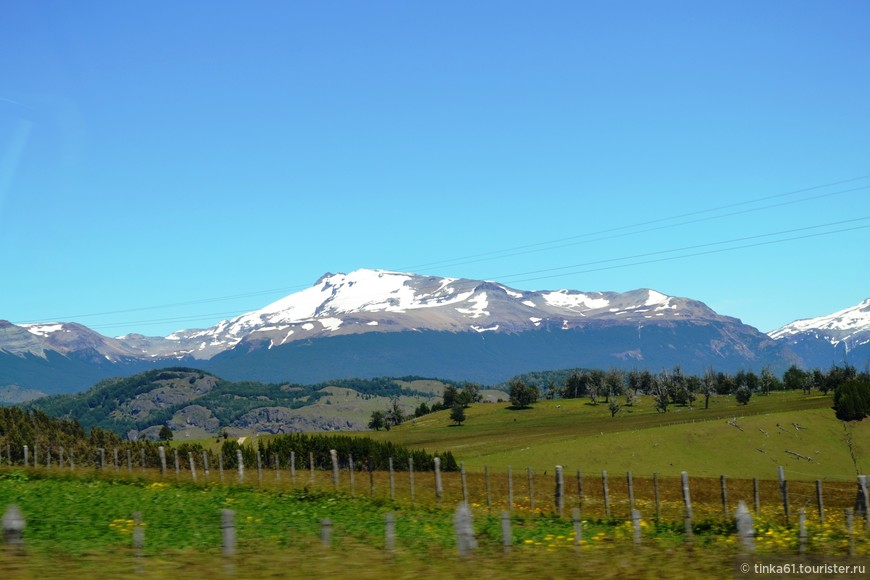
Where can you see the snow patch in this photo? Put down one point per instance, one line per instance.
(479, 329)
(43, 329)
(330, 323)
(529, 303)
(655, 298)
(478, 308)
(372, 323)
(574, 300)
(307, 326)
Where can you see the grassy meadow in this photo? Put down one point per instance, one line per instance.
(576, 434)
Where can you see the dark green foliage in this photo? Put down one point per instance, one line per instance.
(852, 400)
(457, 414)
(743, 394)
(228, 401)
(165, 433)
(19, 427)
(377, 420)
(522, 395)
(363, 450)
(450, 396)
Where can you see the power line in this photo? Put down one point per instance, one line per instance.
(695, 254)
(597, 269)
(504, 253)
(534, 248)
(684, 248)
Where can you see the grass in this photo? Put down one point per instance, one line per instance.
(81, 523)
(573, 433)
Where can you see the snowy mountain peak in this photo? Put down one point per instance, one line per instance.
(386, 301)
(850, 325)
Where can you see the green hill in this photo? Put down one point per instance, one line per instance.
(704, 442)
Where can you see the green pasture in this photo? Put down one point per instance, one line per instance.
(742, 441)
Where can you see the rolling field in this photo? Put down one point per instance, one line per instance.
(575, 434)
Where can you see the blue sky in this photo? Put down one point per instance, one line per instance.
(217, 156)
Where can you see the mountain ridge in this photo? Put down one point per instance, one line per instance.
(379, 322)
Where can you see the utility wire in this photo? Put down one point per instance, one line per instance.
(534, 248)
(496, 254)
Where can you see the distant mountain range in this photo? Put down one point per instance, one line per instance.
(381, 323)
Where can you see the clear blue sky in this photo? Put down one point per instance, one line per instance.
(177, 152)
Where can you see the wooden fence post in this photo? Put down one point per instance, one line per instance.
(820, 501)
(293, 466)
(850, 531)
(462, 522)
(392, 481)
(192, 466)
(579, 489)
(72, 461)
(177, 467)
(277, 463)
(102, 451)
(241, 465)
(745, 528)
(26, 455)
(371, 477)
(783, 490)
(228, 532)
(578, 528)
(724, 496)
(802, 531)
(221, 465)
(390, 533)
(559, 499)
(756, 496)
(326, 532)
(510, 489)
(129, 461)
(635, 524)
(205, 464)
(411, 475)
(630, 483)
(488, 491)
(862, 502)
(531, 489)
(138, 534)
(162, 451)
(115, 458)
(13, 527)
(333, 456)
(462, 478)
(687, 502)
(506, 535)
(259, 468)
(311, 464)
(606, 493)
(656, 493)
(351, 469)
(439, 491)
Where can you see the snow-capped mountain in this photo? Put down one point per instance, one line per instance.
(381, 323)
(367, 301)
(835, 338)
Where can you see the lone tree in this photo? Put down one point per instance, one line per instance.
(377, 420)
(522, 395)
(743, 394)
(457, 414)
(165, 433)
